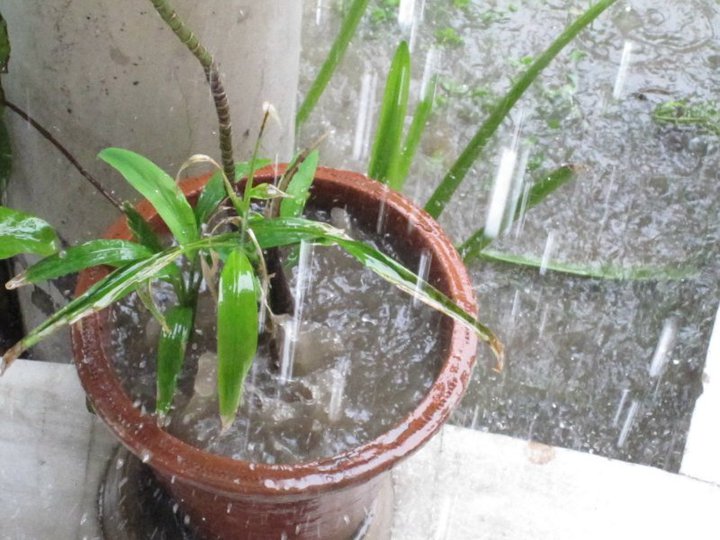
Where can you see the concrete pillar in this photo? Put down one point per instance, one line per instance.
(101, 73)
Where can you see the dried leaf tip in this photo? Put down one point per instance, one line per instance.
(270, 110)
(498, 350)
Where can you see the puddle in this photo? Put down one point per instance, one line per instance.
(580, 351)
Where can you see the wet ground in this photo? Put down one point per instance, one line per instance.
(608, 367)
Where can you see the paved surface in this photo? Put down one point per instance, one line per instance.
(463, 485)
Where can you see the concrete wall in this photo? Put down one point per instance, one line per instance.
(101, 73)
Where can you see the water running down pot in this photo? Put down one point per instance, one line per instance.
(326, 498)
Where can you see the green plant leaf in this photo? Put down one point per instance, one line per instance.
(598, 271)
(23, 233)
(459, 169)
(214, 191)
(389, 134)
(5, 157)
(337, 51)
(171, 355)
(285, 231)
(74, 259)
(472, 247)
(4, 46)
(237, 332)
(158, 188)
(266, 192)
(110, 289)
(141, 229)
(299, 187)
(401, 167)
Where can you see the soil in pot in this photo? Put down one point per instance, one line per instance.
(365, 355)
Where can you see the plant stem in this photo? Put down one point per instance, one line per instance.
(222, 106)
(337, 51)
(439, 199)
(66, 153)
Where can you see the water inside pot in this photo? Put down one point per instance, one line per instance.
(366, 354)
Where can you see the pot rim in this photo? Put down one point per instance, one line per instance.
(176, 459)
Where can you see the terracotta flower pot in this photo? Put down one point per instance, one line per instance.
(326, 498)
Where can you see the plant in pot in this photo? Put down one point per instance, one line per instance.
(226, 231)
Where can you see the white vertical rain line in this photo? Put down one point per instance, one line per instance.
(621, 406)
(622, 70)
(606, 203)
(337, 390)
(369, 119)
(292, 326)
(518, 183)
(406, 15)
(361, 123)
(663, 348)
(548, 252)
(500, 192)
(423, 273)
(627, 425)
(318, 12)
(432, 63)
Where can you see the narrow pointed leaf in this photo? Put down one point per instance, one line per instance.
(5, 157)
(603, 271)
(389, 133)
(110, 289)
(214, 191)
(458, 171)
(158, 188)
(478, 241)
(401, 167)
(337, 51)
(237, 332)
(24, 233)
(141, 229)
(299, 187)
(171, 354)
(74, 259)
(278, 232)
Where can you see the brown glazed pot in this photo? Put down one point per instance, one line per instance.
(328, 498)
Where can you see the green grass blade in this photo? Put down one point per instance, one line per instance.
(171, 355)
(387, 147)
(237, 332)
(299, 187)
(158, 188)
(478, 241)
(598, 271)
(439, 199)
(74, 259)
(401, 167)
(23, 233)
(337, 51)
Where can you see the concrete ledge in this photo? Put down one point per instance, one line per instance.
(463, 485)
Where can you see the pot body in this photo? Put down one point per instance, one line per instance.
(328, 498)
